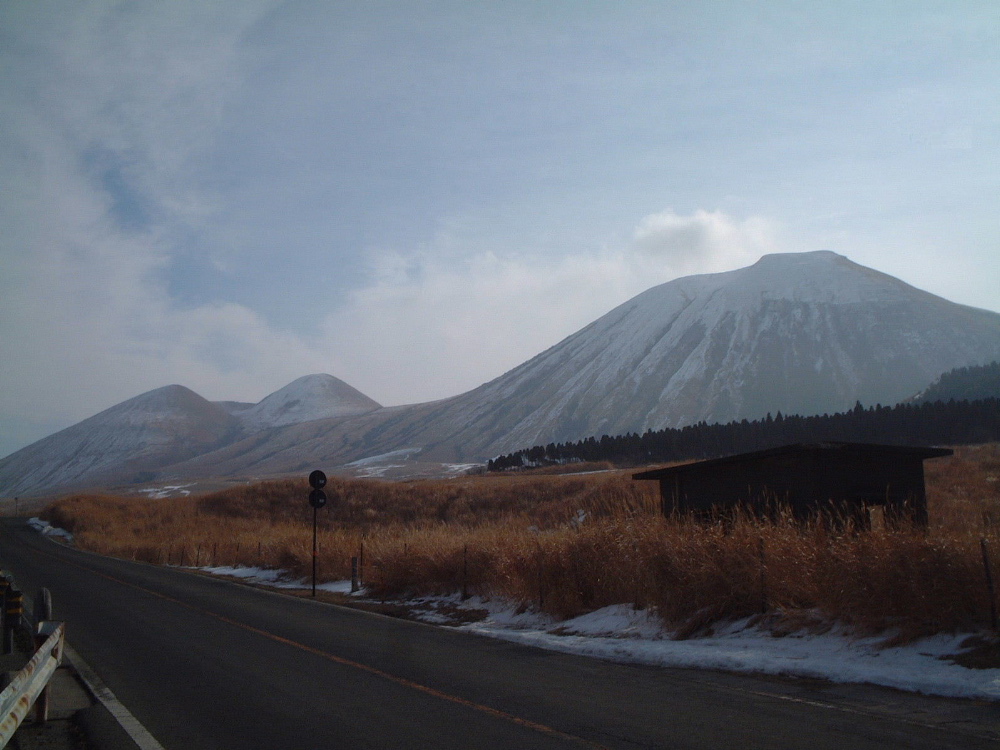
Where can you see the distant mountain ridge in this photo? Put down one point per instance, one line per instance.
(135, 439)
(800, 333)
(131, 440)
(304, 400)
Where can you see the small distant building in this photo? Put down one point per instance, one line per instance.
(839, 481)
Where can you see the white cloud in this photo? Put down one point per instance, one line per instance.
(108, 137)
(187, 187)
(455, 324)
(90, 322)
(704, 241)
(92, 308)
(434, 324)
(111, 110)
(86, 317)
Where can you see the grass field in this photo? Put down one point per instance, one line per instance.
(568, 544)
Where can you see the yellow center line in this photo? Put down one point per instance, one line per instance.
(497, 713)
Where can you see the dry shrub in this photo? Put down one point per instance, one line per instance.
(365, 503)
(963, 491)
(568, 544)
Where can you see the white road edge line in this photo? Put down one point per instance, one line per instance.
(139, 734)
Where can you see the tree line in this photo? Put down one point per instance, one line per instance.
(952, 422)
(965, 383)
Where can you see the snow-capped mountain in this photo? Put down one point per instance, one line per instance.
(304, 400)
(121, 444)
(798, 333)
(137, 438)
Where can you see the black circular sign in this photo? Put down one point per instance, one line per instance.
(317, 480)
(317, 498)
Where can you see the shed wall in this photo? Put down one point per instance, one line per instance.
(807, 482)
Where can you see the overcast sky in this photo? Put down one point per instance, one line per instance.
(418, 196)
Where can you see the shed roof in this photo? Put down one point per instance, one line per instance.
(868, 450)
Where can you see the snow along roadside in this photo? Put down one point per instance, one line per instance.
(623, 634)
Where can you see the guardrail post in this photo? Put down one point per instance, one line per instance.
(43, 613)
(354, 575)
(5, 583)
(42, 606)
(13, 610)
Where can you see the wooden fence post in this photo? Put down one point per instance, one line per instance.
(465, 572)
(763, 577)
(541, 582)
(989, 582)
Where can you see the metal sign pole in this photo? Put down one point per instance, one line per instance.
(317, 499)
(315, 511)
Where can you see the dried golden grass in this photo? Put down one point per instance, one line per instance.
(519, 537)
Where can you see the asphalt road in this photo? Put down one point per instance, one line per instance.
(204, 663)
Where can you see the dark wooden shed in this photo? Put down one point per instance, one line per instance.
(840, 481)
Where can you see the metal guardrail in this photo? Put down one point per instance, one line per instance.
(30, 686)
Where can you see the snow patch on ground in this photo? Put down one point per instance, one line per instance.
(402, 453)
(459, 469)
(372, 467)
(278, 579)
(161, 493)
(45, 529)
(624, 634)
(376, 472)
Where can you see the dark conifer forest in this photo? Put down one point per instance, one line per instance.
(955, 421)
(965, 384)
